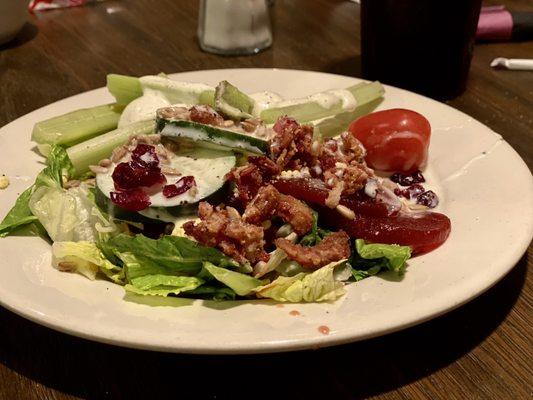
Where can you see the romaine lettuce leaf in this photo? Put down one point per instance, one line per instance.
(58, 171)
(317, 286)
(211, 292)
(70, 215)
(169, 255)
(389, 256)
(316, 235)
(163, 285)
(19, 215)
(86, 259)
(240, 283)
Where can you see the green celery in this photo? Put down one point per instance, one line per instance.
(93, 150)
(77, 126)
(124, 88)
(306, 111)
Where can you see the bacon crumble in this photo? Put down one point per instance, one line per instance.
(269, 202)
(334, 247)
(221, 228)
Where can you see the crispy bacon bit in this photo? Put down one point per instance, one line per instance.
(333, 247)
(205, 115)
(220, 228)
(269, 202)
(250, 177)
(352, 148)
(291, 147)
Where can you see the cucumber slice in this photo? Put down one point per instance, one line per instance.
(233, 103)
(207, 166)
(210, 134)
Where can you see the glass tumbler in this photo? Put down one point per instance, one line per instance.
(234, 27)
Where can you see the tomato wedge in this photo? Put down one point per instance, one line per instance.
(396, 140)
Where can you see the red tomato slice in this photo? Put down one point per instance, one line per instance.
(396, 140)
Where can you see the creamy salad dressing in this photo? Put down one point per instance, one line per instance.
(188, 92)
(327, 99)
(264, 100)
(143, 108)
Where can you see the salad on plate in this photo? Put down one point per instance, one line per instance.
(183, 189)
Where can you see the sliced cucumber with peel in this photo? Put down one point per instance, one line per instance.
(208, 167)
(225, 138)
(233, 103)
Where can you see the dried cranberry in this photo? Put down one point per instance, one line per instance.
(415, 190)
(179, 187)
(130, 176)
(418, 177)
(407, 179)
(133, 199)
(428, 199)
(402, 193)
(145, 156)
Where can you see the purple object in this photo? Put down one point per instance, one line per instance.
(495, 23)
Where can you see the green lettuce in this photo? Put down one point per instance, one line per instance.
(316, 234)
(70, 215)
(169, 255)
(85, 258)
(240, 283)
(211, 292)
(371, 258)
(163, 285)
(317, 286)
(58, 171)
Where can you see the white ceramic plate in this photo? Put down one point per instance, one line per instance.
(484, 187)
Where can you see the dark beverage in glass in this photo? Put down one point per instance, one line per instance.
(421, 45)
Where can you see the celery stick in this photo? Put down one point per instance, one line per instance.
(310, 109)
(232, 102)
(337, 124)
(124, 88)
(76, 126)
(127, 88)
(93, 150)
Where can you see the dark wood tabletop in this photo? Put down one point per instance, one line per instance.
(482, 350)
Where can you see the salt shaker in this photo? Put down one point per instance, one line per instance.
(234, 27)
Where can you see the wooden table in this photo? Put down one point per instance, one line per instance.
(480, 351)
